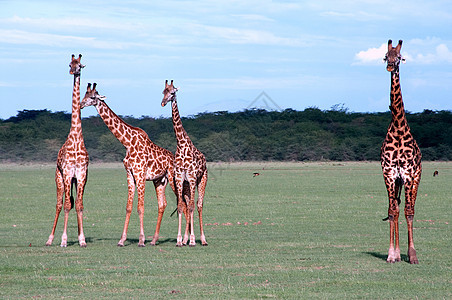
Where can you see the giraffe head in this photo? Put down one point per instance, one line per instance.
(393, 57)
(92, 97)
(75, 65)
(169, 93)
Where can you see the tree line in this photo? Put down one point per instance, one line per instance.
(249, 135)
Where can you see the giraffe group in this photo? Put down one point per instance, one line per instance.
(186, 171)
(144, 161)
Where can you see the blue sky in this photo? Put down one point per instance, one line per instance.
(223, 54)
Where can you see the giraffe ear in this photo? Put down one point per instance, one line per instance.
(399, 46)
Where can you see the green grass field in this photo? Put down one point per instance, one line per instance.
(299, 230)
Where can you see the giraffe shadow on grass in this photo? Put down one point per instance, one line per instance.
(134, 242)
(383, 256)
(173, 241)
(129, 242)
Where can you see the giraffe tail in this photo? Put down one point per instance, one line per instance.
(173, 212)
(74, 181)
(186, 198)
(399, 185)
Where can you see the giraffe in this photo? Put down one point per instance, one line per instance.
(400, 162)
(189, 166)
(144, 161)
(72, 164)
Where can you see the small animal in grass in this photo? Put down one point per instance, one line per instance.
(435, 173)
(256, 174)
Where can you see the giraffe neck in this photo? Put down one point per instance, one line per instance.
(76, 121)
(397, 108)
(181, 134)
(120, 129)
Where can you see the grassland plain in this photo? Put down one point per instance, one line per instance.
(298, 230)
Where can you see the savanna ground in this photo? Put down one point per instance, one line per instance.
(298, 230)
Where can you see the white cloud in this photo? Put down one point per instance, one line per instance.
(417, 52)
(442, 54)
(7, 84)
(248, 36)
(253, 83)
(69, 23)
(371, 56)
(251, 17)
(356, 15)
(56, 40)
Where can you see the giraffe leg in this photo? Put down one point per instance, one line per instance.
(179, 232)
(411, 251)
(185, 191)
(81, 181)
(191, 209)
(170, 175)
(201, 191)
(141, 186)
(67, 208)
(394, 252)
(161, 199)
(131, 194)
(60, 194)
(410, 195)
(396, 237)
(393, 213)
(180, 208)
(186, 197)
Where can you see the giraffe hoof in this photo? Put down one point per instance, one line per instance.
(179, 245)
(82, 245)
(120, 244)
(391, 260)
(141, 245)
(412, 256)
(205, 244)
